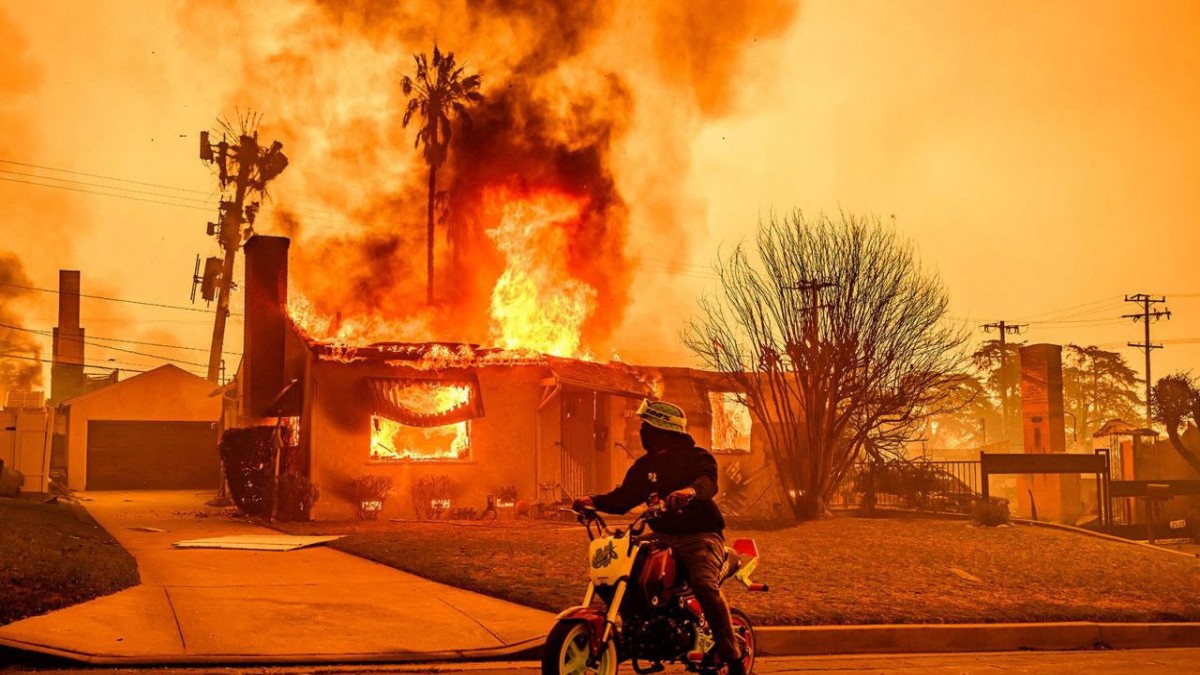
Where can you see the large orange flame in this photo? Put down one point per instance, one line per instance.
(391, 440)
(537, 304)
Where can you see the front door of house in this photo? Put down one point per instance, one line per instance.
(579, 456)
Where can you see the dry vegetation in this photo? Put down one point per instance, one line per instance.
(837, 571)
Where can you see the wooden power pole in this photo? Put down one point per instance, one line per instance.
(1145, 316)
(244, 171)
(1006, 412)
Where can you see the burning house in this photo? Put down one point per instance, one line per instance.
(451, 424)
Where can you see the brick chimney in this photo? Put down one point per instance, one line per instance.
(266, 323)
(66, 368)
(1042, 398)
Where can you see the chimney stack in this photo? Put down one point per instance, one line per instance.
(66, 369)
(266, 323)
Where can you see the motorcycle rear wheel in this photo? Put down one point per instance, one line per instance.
(743, 630)
(567, 650)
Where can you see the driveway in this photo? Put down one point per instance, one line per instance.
(232, 606)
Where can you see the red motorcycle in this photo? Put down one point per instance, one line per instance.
(646, 613)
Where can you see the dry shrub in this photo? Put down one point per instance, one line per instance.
(990, 513)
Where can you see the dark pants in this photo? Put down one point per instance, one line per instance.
(703, 554)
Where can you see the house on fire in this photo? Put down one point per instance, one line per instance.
(480, 420)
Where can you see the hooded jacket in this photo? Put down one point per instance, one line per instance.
(680, 466)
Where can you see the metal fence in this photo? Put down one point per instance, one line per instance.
(917, 484)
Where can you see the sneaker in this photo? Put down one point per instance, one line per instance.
(737, 667)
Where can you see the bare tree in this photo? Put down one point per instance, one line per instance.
(1173, 400)
(835, 338)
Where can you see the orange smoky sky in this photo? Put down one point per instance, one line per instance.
(1043, 156)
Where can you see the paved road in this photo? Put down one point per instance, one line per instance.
(1149, 662)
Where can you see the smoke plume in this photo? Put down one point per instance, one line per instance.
(593, 100)
(20, 352)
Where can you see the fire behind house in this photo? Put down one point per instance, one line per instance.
(454, 424)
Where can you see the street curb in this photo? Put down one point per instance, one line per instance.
(986, 637)
(772, 641)
(518, 651)
(1102, 535)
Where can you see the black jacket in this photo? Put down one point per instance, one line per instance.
(681, 466)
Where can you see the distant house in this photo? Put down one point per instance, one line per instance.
(156, 430)
(474, 421)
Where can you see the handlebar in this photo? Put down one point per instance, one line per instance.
(589, 516)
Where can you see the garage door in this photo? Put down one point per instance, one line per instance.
(152, 455)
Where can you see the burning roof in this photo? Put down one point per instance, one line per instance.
(569, 172)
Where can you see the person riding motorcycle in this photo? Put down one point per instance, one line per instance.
(692, 525)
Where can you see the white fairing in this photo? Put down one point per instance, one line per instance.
(610, 559)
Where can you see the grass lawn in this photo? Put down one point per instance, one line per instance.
(54, 555)
(843, 570)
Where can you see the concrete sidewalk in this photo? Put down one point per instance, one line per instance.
(205, 606)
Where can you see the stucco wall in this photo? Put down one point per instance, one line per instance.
(165, 394)
(503, 441)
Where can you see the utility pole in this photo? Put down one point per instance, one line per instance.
(1145, 316)
(1004, 328)
(812, 289)
(244, 171)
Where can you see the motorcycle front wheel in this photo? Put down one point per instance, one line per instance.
(567, 650)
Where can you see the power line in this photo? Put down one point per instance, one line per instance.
(85, 365)
(127, 341)
(104, 194)
(158, 344)
(104, 187)
(102, 177)
(101, 297)
(1063, 310)
(102, 346)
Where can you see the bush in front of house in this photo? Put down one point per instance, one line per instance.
(369, 493)
(990, 513)
(433, 496)
(295, 498)
(248, 455)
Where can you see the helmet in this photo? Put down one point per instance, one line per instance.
(663, 415)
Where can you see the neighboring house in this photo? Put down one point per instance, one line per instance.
(485, 421)
(154, 431)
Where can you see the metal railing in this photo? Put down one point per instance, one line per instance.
(918, 484)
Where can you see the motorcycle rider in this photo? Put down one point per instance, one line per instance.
(692, 525)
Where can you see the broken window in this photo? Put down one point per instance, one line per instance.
(391, 440)
(423, 420)
(730, 422)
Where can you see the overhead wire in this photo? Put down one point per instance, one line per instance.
(104, 346)
(133, 342)
(85, 365)
(111, 299)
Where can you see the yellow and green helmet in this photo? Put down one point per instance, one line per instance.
(663, 415)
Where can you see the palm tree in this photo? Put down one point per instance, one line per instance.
(438, 92)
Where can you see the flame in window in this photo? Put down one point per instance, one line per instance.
(393, 440)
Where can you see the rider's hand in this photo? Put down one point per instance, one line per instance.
(680, 498)
(582, 503)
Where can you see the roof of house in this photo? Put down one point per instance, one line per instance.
(140, 377)
(1115, 427)
(611, 378)
(614, 378)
